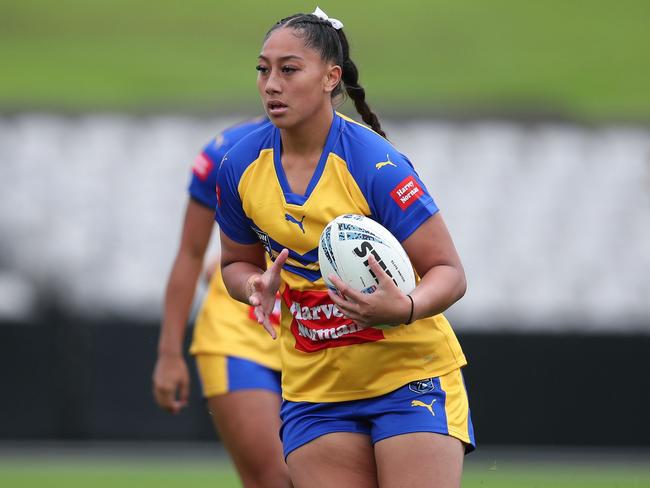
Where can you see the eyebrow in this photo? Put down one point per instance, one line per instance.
(282, 58)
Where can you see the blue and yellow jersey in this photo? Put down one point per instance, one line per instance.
(325, 357)
(204, 171)
(223, 325)
(227, 327)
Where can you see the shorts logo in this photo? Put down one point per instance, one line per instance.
(428, 406)
(422, 386)
(202, 167)
(406, 192)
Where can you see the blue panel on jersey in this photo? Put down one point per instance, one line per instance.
(305, 273)
(395, 194)
(202, 187)
(306, 259)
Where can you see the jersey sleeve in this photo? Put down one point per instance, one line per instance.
(204, 172)
(396, 195)
(230, 214)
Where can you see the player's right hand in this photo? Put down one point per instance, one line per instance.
(262, 290)
(171, 383)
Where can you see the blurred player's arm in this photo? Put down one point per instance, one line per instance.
(171, 377)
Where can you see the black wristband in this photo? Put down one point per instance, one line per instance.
(410, 314)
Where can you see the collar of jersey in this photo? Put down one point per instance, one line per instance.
(295, 198)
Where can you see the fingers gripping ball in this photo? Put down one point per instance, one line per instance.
(345, 246)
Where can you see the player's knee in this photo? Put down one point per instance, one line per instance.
(276, 481)
(266, 476)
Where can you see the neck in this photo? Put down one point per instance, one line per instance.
(309, 136)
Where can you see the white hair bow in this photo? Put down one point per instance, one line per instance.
(336, 23)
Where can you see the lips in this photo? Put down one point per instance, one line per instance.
(276, 107)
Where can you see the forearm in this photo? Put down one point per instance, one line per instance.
(237, 276)
(239, 264)
(179, 295)
(439, 289)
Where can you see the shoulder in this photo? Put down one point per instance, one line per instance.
(224, 141)
(247, 149)
(232, 135)
(363, 149)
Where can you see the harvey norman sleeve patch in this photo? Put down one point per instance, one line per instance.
(406, 192)
(202, 167)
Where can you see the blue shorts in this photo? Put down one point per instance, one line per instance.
(436, 405)
(225, 374)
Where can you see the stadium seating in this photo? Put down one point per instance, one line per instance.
(552, 220)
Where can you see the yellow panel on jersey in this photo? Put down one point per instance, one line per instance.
(260, 192)
(228, 327)
(325, 357)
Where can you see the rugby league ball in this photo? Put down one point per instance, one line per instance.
(347, 242)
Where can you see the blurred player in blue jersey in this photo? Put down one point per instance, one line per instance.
(362, 406)
(238, 363)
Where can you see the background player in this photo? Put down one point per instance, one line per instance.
(237, 362)
(365, 407)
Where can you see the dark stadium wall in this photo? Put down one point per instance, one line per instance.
(66, 379)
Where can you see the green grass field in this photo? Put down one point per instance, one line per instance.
(587, 60)
(202, 475)
(148, 472)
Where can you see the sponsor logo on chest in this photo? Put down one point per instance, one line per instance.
(318, 324)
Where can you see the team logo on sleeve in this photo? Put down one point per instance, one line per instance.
(406, 192)
(218, 142)
(388, 162)
(202, 167)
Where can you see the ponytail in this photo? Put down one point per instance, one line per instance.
(358, 95)
(354, 90)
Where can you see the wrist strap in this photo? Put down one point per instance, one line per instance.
(410, 314)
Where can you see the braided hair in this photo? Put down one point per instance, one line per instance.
(332, 44)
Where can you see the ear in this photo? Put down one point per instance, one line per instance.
(332, 77)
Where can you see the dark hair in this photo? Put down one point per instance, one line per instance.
(332, 44)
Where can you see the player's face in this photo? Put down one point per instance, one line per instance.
(294, 82)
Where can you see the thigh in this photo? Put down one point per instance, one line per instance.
(248, 423)
(419, 459)
(244, 400)
(336, 460)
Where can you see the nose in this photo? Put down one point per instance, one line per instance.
(272, 84)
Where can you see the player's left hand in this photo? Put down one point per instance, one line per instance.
(387, 305)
